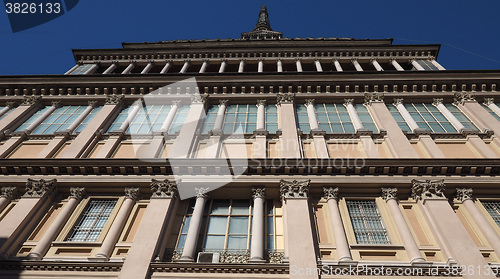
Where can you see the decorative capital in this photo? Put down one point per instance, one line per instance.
(176, 102)
(374, 97)
(199, 98)
(348, 102)
(462, 97)
(389, 193)
(163, 188)
(309, 102)
(258, 193)
(464, 194)
(11, 105)
(331, 193)
(39, 188)
(294, 189)
(421, 190)
(9, 193)
(56, 104)
(201, 192)
(132, 193)
(31, 100)
(261, 102)
(77, 192)
(437, 101)
(398, 101)
(489, 101)
(285, 98)
(114, 99)
(223, 102)
(93, 104)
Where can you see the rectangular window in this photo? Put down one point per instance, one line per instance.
(334, 118)
(493, 208)
(82, 69)
(398, 117)
(149, 119)
(87, 120)
(241, 118)
(32, 119)
(271, 119)
(366, 118)
(209, 123)
(487, 108)
(367, 222)
(60, 120)
(92, 221)
(461, 117)
(302, 119)
(428, 117)
(427, 65)
(180, 116)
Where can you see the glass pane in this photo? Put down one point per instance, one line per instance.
(217, 225)
(214, 242)
(237, 242)
(238, 225)
(240, 207)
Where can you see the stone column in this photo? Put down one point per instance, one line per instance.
(438, 102)
(389, 195)
(357, 65)
(147, 68)
(289, 139)
(465, 196)
(311, 113)
(435, 63)
(301, 251)
(241, 67)
(151, 231)
(92, 105)
(416, 65)
(110, 69)
(219, 121)
(341, 244)
(299, 65)
(453, 237)
(337, 65)
(131, 195)
(129, 68)
(396, 65)
(203, 67)
(72, 69)
(222, 67)
(260, 144)
(318, 66)
(15, 226)
(406, 115)
(490, 102)
(185, 67)
(258, 225)
(7, 195)
(279, 66)
(377, 65)
(165, 68)
(260, 66)
(214, 144)
(9, 106)
(55, 105)
(194, 226)
(76, 194)
(261, 114)
(353, 114)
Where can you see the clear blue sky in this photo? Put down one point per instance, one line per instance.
(467, 30)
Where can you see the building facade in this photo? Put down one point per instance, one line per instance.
(262, 156)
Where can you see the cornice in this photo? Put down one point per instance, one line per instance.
(221, 268)
(61, 266)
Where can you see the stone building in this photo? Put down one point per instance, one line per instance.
(262, 156)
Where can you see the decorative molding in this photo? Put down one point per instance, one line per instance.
(39, 188)
(374, 97)
(261, 102)
(114, 99)
(309, 102)
(428, 189)
(464, 194)
(331, 193)
(437, 101)
(462, 97)
(398, 101)
(389, 193)
(489, 101)
(163, 188)
(31, 100)
(132, 193)
(199, 98)
(258, 193)
(201, 192)
(294, 189)
(77, 192)
(234, 257)
(348, 101)
(9, 193)
(285, 98)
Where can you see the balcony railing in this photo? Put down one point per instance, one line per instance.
(229, 256)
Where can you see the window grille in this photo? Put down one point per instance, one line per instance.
(493, 208)
(92, 221)
(367, 222)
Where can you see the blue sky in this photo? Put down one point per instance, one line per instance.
(467, 30)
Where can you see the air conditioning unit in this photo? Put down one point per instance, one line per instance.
(208, 257)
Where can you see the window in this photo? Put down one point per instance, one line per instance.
(93, 219)
(399, 118)
(149, 119)
(334, 118)
(366, 118)
(487, 108)
(493, 209)
(5, 114)
(181, 115)
(427, 65)
(209, 123)
(61, 119)
(87, 120)
(240, 115)
(32, 119)
(461, 117)
(82, 69)
(303, 119)
(367, 222)
(430, 118)
(271, 119)
(274, 225)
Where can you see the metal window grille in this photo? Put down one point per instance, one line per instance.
(334, 118)
(367, 222)
(493, 208)
(92, 221)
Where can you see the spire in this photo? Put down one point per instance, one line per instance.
(262, 29)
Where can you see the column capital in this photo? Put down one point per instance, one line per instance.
(201, 192)
(398, 101)
(163, 188)
(77, 192)
(31, 100)
(56, 104)
(331, 193)
(428, 189)
(11, 105)
(258, 193)
(39, 188)
(389, 193)
(489, 101)
(348, 101)
(199, 98)
(176, 102)
(464, 194)
(261, 102)
(462, 97)
(309, 102)
(223, 102)
(285, 98)
(437, 101)
(114, 99)
(132, 193)
(9, 193)
(294, 189)
(374, 97)
(93, 104)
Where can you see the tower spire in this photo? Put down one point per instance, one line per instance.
(262, 29)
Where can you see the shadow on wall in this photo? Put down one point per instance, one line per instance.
(9, 268)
